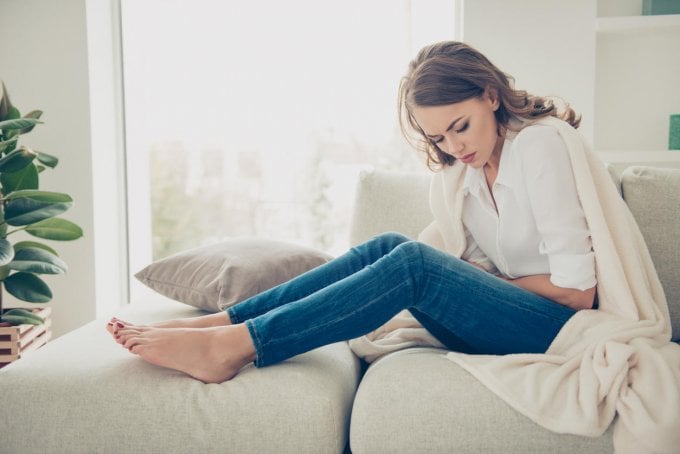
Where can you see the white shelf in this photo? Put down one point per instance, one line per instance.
(616, 156)
(634, 23)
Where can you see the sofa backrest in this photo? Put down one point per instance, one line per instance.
(398, 202)
(390, 202)
(653, 196)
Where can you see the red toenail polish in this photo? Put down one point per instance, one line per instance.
(120, 325)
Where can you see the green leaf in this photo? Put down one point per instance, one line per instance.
(33, 244)
(37, 261)
(38, 207)
(21, 312)
(55, 229)
(13, 113)
(26, 178)
(17, 159)
(47, 159)
(28, 287)
(34, 115)
(18, 123)
(6, 252)
(8, 145)
(18, 320)
(5, 103)
(4, 272)
(41, 196)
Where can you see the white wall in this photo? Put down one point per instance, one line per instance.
(44, 63)
(548, 46)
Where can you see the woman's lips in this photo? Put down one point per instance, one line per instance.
(468, 158)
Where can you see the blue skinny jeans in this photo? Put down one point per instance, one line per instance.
(465, 308)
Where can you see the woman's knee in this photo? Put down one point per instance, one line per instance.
(411, 251)
(428, 258)
(392, 239)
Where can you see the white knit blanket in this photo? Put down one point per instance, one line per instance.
(617, 360)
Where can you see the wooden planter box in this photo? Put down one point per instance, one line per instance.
(18, 340)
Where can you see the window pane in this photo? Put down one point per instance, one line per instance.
(254, 118)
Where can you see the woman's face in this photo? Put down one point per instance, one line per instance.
(466, 130)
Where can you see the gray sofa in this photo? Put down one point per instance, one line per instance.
(83, 393)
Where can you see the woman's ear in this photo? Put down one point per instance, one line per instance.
(492, 95)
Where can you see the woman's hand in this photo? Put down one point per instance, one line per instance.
(541, 285)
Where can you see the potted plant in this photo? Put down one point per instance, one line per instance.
(24, 207)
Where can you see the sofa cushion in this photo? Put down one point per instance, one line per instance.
(390, 201)
(220, 275)
(653, 196)
(85, 393)
(417, 400)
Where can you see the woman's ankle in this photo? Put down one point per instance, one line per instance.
(222, 319)
(203, 321)
(217, 319)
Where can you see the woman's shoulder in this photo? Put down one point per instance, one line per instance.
(536, 132)
(539, 139)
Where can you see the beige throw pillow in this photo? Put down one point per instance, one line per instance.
(220, 275)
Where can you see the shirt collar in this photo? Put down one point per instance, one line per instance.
(473, 179)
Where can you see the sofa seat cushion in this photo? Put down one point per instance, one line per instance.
(417, 400)
(84, 393)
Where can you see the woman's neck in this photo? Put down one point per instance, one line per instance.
(495, 158)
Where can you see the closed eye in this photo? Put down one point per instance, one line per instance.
(463, 128)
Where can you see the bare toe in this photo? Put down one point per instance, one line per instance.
(133, 342)
(123, 336)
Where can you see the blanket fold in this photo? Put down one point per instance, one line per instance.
(616, 363)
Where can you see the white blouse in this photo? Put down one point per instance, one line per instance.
(540, 227)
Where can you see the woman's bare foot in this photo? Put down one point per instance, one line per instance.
(204, 321)
(212, 355)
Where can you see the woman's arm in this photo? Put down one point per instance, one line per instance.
(570, 297)
(560, 220)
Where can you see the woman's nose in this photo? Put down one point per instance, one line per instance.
(454, 147)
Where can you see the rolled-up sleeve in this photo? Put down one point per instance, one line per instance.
(558, 213)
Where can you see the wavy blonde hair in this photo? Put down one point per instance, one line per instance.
(450, 72)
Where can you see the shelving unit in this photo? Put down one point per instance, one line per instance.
(627, 156)
(635, 23)
(637, 82)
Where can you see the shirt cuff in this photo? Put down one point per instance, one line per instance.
(573, 270)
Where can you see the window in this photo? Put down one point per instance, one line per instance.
(255, 118)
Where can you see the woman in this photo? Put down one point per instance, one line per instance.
(527, 268)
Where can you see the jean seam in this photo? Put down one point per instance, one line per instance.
(340, 320)
(483, 293)
(259, 359)
(530, 310)
(232, 315)
(410, 269)
(413, 278)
